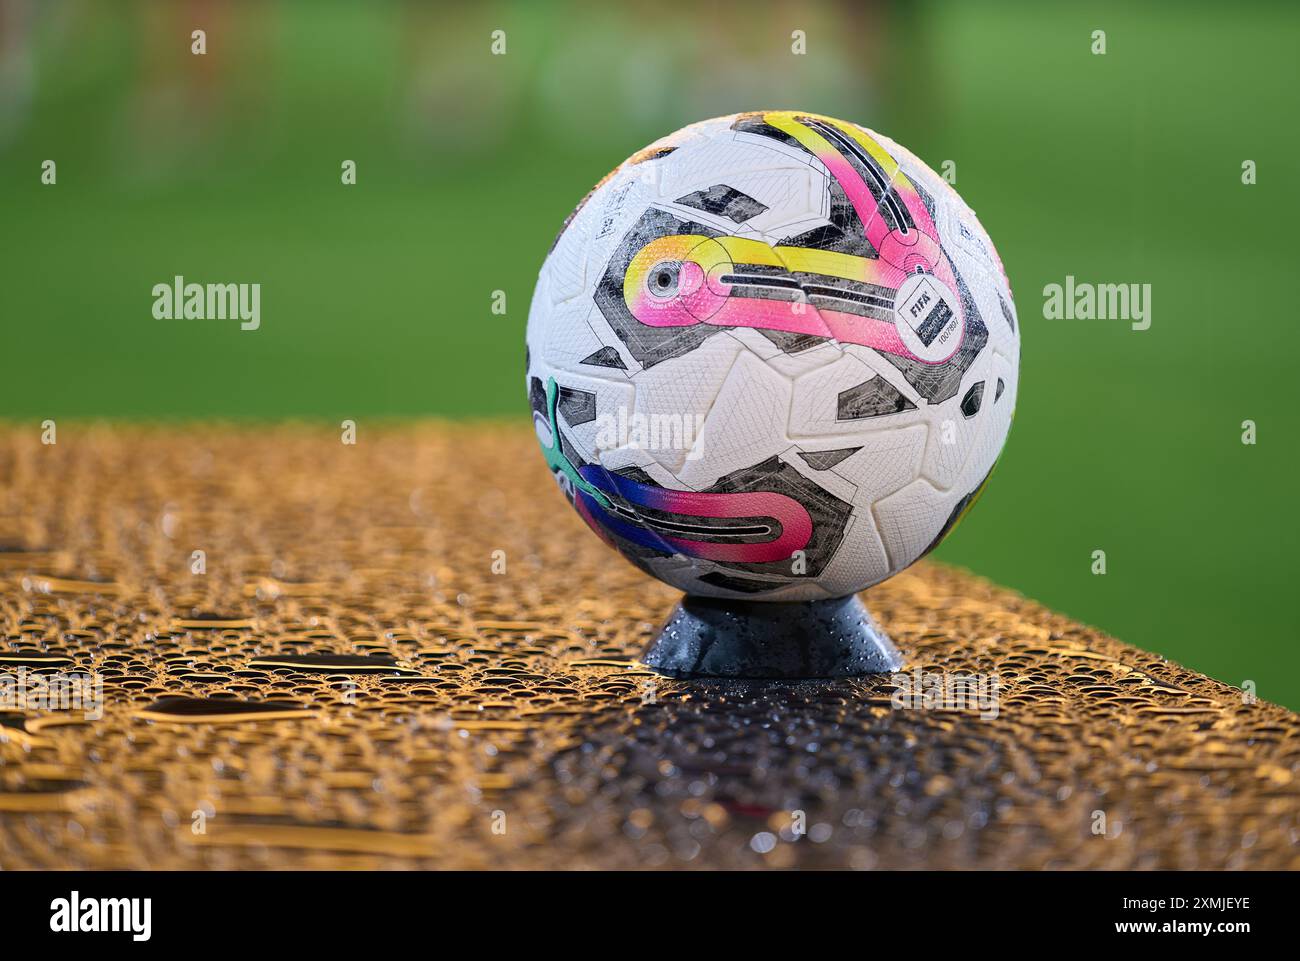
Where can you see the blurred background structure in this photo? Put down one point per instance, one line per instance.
(376, 298)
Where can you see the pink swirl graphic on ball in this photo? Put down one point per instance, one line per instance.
(690, 512)
(687, 279)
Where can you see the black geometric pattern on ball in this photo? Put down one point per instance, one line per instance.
(826, 459)
(723, 201)
(872, 398)
(604, 357)
(577, 406)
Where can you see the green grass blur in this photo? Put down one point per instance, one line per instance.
(376, 298)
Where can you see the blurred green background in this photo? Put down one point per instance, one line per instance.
(376, 298)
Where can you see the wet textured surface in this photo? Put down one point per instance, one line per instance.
(351, 685)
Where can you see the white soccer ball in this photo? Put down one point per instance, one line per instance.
(772, 356)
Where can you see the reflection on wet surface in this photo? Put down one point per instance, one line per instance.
(348, 684)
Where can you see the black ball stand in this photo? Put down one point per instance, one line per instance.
(711, 637)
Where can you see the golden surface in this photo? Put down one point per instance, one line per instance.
(508, 724)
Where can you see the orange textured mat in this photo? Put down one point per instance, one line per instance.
(410, 653)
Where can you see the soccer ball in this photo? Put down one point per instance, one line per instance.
(772, 356)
